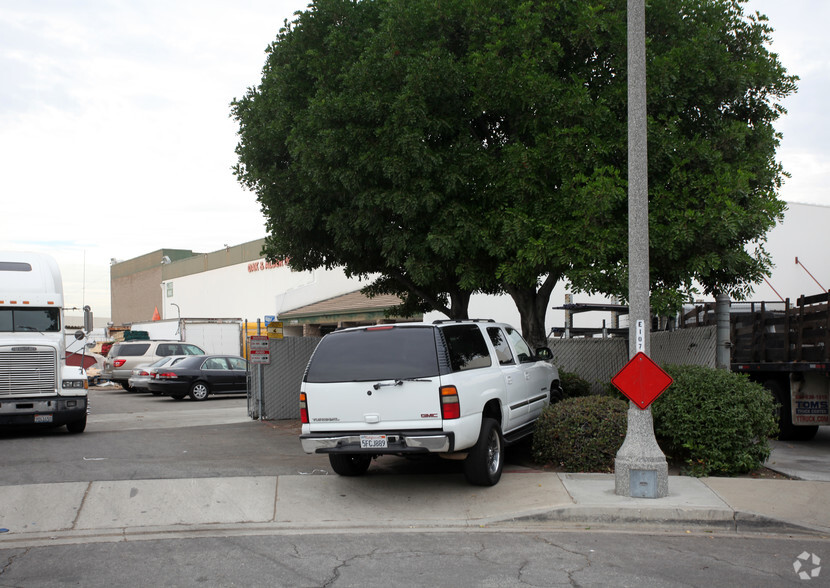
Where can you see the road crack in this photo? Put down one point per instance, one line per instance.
(11, 560)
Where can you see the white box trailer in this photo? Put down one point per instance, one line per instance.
(215, 335)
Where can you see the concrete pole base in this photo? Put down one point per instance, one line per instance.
(640, 468)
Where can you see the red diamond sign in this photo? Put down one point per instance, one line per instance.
(641, 380)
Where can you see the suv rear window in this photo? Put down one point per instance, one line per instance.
(373, 354)
(134, 350)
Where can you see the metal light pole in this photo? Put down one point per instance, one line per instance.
(179, 318)
(640, 467)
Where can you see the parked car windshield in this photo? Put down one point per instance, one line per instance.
(166, 361)
(374, 354)
(191, 362)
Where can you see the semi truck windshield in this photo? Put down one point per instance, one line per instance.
(21, 320)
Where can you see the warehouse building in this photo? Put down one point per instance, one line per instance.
(238, 281)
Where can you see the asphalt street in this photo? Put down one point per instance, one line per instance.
(418, 558)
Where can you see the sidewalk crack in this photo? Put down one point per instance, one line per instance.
(81, 507)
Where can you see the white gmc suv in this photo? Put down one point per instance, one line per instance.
(451, 387)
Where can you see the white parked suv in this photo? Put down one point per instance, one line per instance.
(451, 387)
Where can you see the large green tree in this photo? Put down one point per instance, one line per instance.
(469, 146)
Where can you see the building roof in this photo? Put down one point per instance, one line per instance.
(351, 307)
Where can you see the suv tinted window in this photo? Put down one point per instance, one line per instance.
(373, 354)
(133, 350)
(168, 349)
(188, 349)
(521, 346)
(499, 341)
(467, 347)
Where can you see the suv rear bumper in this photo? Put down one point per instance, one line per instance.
(397, 442)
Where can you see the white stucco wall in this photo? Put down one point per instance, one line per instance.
(805, 233)
(251, 290)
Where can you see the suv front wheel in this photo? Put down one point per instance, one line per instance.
(485, 460)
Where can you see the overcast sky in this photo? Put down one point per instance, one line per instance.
(115, 136)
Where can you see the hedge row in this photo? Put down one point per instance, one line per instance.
(713, 422)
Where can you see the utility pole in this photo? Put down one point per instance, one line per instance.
(640, 467)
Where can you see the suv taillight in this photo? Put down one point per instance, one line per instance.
(119, 362)
(450, 407)
(303, 409)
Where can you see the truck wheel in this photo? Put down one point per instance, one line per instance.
(77, 426)
(485, 460)
(199, 391)
(556, 392)
(787, 430)
(350, 464)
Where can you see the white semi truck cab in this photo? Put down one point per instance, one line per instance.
(36, 385)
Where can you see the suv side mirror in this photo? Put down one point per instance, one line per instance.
(544, 354)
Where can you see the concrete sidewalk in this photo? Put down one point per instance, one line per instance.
(48, 514)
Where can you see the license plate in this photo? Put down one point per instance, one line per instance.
(373, 442)
(43, 418)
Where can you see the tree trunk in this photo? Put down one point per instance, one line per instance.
(532, 305)
(460, 304)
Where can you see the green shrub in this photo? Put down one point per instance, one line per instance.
(610, 390)
(581, 434)
(716, 422)
(573, 385)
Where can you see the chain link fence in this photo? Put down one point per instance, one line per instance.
(274, 388)
(599, 360)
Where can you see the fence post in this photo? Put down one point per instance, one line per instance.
(261, 371)
(722, 358)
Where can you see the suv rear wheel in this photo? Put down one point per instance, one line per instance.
(485, 460)
(350, 464)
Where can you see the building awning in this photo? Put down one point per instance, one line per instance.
(354, 307)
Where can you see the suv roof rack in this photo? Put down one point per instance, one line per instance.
(445, 321)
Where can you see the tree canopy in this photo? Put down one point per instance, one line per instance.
(468, 146)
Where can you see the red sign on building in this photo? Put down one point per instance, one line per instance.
(641, 380)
